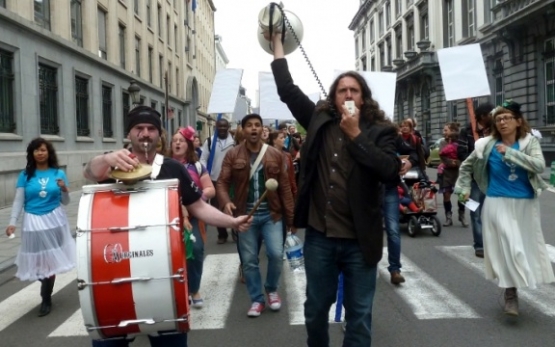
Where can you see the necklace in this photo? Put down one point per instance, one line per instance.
(43, 182)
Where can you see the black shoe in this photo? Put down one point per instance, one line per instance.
(479, 253)
(45, 308)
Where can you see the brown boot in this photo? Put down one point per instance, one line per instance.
(511, 302)
(397, 278)
(462, 219)
(448, 219)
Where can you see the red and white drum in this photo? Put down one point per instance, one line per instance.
(132, 276)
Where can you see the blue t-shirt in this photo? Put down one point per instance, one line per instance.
(42, 194)
(499, 184)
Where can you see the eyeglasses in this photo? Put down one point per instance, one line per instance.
(504, 119)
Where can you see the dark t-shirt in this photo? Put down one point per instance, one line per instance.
(171, 168)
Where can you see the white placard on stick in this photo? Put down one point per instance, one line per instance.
(383, 86)
(271, 107)
(463, 72)
(224, 91)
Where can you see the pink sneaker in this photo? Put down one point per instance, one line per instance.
(256, 309)
(274, 300)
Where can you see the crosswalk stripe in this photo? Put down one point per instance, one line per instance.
(17, 305)
(219, 280)
(73, 326)
(540, 298)
(427, 298)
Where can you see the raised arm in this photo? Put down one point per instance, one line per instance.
(99, 168)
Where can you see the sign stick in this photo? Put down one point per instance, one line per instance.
(470, 107)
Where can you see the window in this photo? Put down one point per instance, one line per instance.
(150, 67)
(387, 14)
(388, 45)
(107, 130)
(398, 9)
(382, 56)
(48, 90)
(175, 37)
(550, 80)
(153, 104)
(76, 23)
(168, 30)
(424, 27)
(409, 2)
(136, 7)
(488, 14)
(121, 34)
(170, 79)
(373, 64)
(159, 21)
(138, 56)
(188, 49)
(125, 110)
(399, 42)
(452, 107)
(7, 77)
(499, 83)
(399, 105)
(364, 67)
(380, 24)
(42, 13)
(82, 106)
(425, 98)
(161, 69)
(177, 81)
(363, 39)
(102, 53)
(357, 50)
(410, 35)
(372, 33)
(469, 20)
(449, 24)
(3, 3)
(148, 13)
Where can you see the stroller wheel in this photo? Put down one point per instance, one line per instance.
(436, 230)
(413, 226)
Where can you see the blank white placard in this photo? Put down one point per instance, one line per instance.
(224, 91)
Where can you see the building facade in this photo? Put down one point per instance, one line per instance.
(66, 66)
(517, 38)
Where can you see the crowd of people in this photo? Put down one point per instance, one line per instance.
(339, 184)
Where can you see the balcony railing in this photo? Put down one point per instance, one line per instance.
(509, 8)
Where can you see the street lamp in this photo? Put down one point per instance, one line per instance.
(209, 120)
(135, 92)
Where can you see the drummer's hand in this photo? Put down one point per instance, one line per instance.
(10, 230)
(242, 223)
(187, 224)
(229, 208)
(406, 166)
(122, 160)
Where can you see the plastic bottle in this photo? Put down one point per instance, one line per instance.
(294, 252)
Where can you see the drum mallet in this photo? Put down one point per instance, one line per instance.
(271, 185)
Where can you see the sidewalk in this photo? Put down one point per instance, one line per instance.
(9, 247)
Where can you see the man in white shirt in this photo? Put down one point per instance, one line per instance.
(212, 158)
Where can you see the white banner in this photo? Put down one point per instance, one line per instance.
(224, 91)
(463, 72)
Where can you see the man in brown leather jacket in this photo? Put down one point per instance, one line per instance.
(243, 169)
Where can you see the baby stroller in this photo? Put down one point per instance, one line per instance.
(424, 194)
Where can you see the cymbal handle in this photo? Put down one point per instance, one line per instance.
(257, 204)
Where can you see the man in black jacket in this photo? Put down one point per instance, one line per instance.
(466, 146)
(344, 159)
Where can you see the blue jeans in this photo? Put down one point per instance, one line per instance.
(476, 216)
(168, 340)
(325, 257)
(249, 245)
(391, 218)
(194, 266)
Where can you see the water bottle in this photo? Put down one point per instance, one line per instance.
(294, 252)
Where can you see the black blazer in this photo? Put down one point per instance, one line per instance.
(374, 151)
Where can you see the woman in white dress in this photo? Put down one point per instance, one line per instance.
(506, 166)
(47, 247)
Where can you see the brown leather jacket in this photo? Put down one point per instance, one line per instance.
(236, 171)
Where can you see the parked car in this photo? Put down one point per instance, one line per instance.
(434, 160)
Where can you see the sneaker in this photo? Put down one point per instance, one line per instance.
(274, 300)
(197, 303)
(397, 278)
(511, 302)
(256, 309)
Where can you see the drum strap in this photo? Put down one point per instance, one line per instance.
(258, 160)
(156, 166)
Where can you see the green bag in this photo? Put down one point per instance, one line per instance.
(188, 239)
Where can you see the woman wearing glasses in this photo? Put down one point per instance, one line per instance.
(506, 166)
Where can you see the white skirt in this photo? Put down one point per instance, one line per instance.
(514, 247)
(47, 247)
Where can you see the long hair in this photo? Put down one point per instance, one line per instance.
(32, 164)
(273, 137)
(521, 131)
(191, 156)
(455, 130)
(370, 108)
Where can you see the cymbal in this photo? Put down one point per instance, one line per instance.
(139, 173)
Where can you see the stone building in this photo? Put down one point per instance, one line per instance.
(66, 67)
(517, 38)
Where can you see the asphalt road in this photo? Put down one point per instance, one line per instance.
(445, 302)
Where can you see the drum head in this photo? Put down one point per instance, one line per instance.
(139, 173)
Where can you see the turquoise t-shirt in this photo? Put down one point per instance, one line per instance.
(500, 185)
(42, 194)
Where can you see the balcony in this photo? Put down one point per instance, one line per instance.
(511, 11)
(422, 62)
